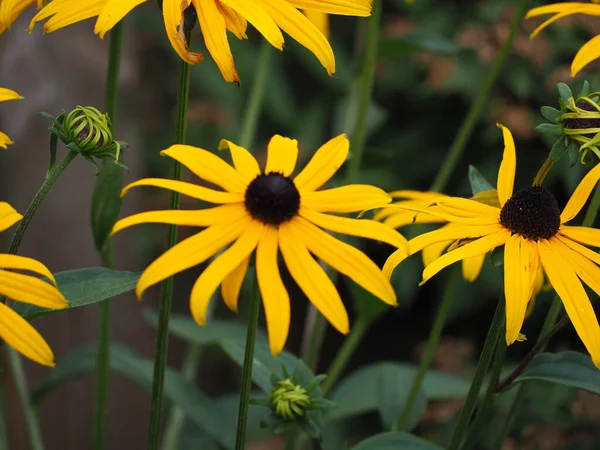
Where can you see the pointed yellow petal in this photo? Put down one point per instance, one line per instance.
(574, 8)
(234, 22)
(190, 252)
(464, 207)
(8, 216)
(589, 254)
(581, 195)
(438, 212)
(223, 265)
(66, 12)
(394, 261)
(16, 262)
(275, 298)
(20, 335)
(478, 247)
(259, 19)
(590, 51)
(344, 199)
(8, 94)
(311, 278)
(585, 235)
(553, 8)
(451, 234)
(214, 30)
(418, 195)
(10, 10)
(345, 259)
(32, 290)
(5, 141)
(232, 284)
(173, 18)
(319, 19)
(574, 298)
(471, 267)
(189, 189)
(112, 12)
(434, 251)
(579, 263)
(207, 166)
(508, 167)
(324, 164)
(245, 164)
(364, 228)
(402, 218)
(282, 154)
(361, 8)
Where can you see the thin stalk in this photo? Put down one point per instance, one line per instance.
(166, 293)
(257, 96)
(544, 170)
(314, 334)
(466, 129)
(20, 380)
(106, 256)
(432, 343)
(240, 440)
(3, 415)
(494, 334)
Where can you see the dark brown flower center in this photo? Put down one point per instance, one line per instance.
(532, 212)
(272, 199)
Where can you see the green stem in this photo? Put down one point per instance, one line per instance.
(106, 256)
(257, 96)
(18, 373)
(432, 343)
(240, 440)
(367, 78)
(466, 129)
(359, 328)
(166, 293)
(494, 334)
(315, 327)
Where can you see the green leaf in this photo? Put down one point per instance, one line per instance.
(565, 92)
(558, 150)
(567, 368)
(394, 441)
(585, 90)
(82, 287)
(106, 202)
(478, 181)
(200, 408)
(411, 42)
(549, 128)
(552, 114)
(573, 150)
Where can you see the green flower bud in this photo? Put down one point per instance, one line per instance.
(90, 131)
(289, 401)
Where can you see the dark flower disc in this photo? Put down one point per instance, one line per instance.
(272, 198)
(532, 212)
(582, 124)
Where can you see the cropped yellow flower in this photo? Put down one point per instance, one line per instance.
(270, 211)
(10, 10)
(590, 50)
(14, 330)
(532, 229)
(216, 17)
(7, 94)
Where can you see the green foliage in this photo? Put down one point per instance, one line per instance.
(106, 203)
(395, 440)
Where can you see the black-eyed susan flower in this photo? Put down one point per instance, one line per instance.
(14, 330)
(533, 231)
(10, 10)
(270, 211)
(216, 17)
(590, 50)
(7, 94)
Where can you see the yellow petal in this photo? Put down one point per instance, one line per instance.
(245, 164)
(112, 12)
(16, 262)
(282, 154)
(8, 94)
(189, 189)
(361, 8)
(5, 141)
(418, 195)
(324, 164)
(553, 8)
(581, 195)
(434, 251)
(488, 198)
(589, 254)
(223, 265)
(364, 228)
(451, 234)
(438, 212)
(402, 218)
(190, 252)
(32, 290)
(173, 19)
(259, 19)
(345, 259)
(214, 29)
(66, 12)
(294, 23)
(471, 267)
(311, 278)
(275, 298)
(464, 207)
(234, 22)
(20, 335)
(232, 284)
(394, 261)
(579, 263)
(574, 298)
(10, 10)
(520, 269)
(478, 247)
(320, 19)
(508, 167)
(567, 10)
(585, 235)
(207, 166)
(344, 199)
(588, 52)
(8, 216)
(193, 218)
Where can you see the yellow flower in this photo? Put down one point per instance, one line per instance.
(10, 10)
(216, 17)
(268, 211)
(590, 50)
(14, 330)
(7, 94)
(533, 231)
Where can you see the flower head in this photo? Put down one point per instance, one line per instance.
(533, 231)
(270, 211)
(7, 94)
(14, 330)
(10, 10)
(216, 17)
